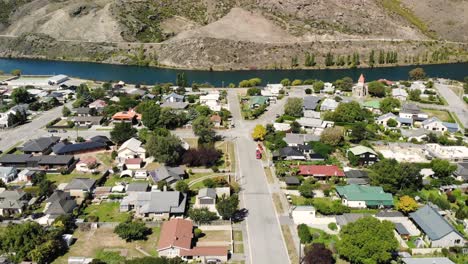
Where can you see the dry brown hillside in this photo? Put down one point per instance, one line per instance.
(188, 27)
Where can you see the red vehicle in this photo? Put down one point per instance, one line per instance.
(259, 154)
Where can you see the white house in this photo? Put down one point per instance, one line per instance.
(274, 89)
(8, 174)
(57, 79)
(328, 105)
(141, 175)
(383, 119)
(435, 124)
(399, 94)
(303, 214)
(131, 148)
(211, 100)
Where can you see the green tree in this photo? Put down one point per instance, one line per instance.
(66, 111)
(293, 107)
(332, 136)
(165, 149)
(150, 112)
(367, 241)
(98, 93)
(318, 86)
(22, 239)
(202, 216)
(389, 104)
(392, 123)
(107, 86)
(296, 82)
(181, 80)
(381, 57)
(329, 60)
(349, 113)
(415, 95)
(130, 231)
(16, 72)
(309, 60)
(304, 234)
(372, 58)
(122, 132)
(417, 74)
(345, 84)
(20, 96)
(203, 128)
(227, 206)
(182, 187)
(359, 132)
(396, 177)
(317, 253)
(47, 252)
(307, 189)
(406, 204)
(286, 82)
(254, 91)
(442, 168)
(376, 89)
(294, 62)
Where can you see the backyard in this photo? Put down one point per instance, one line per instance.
(59, 178)
(443, 115)
(106, 212)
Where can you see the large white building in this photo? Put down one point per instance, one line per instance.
(451, 153)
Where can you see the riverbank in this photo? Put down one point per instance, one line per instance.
(150, 75)
(226, 55)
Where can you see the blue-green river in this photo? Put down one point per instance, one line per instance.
(149, 75)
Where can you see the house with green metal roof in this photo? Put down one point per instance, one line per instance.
(257, 101)
(359, 196)
(373, 106)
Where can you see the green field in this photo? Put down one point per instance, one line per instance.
(443, 115)
(106, 212)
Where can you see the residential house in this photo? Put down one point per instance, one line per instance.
(80, 187)
(365, 155)
(320, 172)
(358, 177)
(303, 214)
(373, 106)
(206, 198)
(84, 111)
(102, 139)
(272, 90)
(438, 232)
(137, 187)
(292, 181)
(133, 163)
(171, 175)
(27, 175)
(450, 153)
(400, 121)
(86, 121)
(400, 94)
(289, 153)
(360, 89)
(8, 174)
(328, 105)
(418, 85)
(131, 148)
(86, 164)
(419, 134)
(348, 218)
(461, 173)
(311, 114)
(175, 240)
(294, 140)
(328, 88)
(40, 146)
(257, 101)
(211, 100)
(175, 105)
(413, 111)
(434, 124)
(311, 103)
(216, 120)
(314, 125)
(127, 116)
(141, 175)
(403, 226)
(155, 205)
(59, 203)
(360, 196)
(174, 98)
(431, 260)
(57, 79)
(4, 117)
(99, 105)
(286, 127)
(12, 202)
(66, 148)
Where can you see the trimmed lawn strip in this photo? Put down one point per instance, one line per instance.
(238, 236)
(269, 175)
(239, 248)
(278, 205)
(288, 239)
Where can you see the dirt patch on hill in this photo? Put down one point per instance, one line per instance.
(241, 25)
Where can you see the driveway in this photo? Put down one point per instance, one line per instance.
(455, 103)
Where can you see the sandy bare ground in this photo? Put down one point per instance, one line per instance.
(241, 25)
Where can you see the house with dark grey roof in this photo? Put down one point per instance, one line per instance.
(137, 187)
(86, 121)
(169, 174)
(289, 153)
(155, 205)
(59, 203)
(175, 105)
(206, 198)
(344, 219)
(173, 98)
(84, 111)
(461, 173)
(292, 180)
(12, 202)
(438, 231)
(311, 102)
(41, 145)
(79, 187)
(63, 148)
(44, 163)
(102, 139)
(359, 177)
(293, 140)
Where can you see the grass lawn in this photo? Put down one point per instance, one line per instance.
(239, 248)
(288, 239)
(93, 243)
(11, 148)
(105, 158)
(152, 166)
(238, 236)
(215, 236)
(323, 237)
(299, 200)
(58, 178)
(229, 160)
(411, 242)
(106, 211)
(278, 205)
(444, 116)
(269, 175)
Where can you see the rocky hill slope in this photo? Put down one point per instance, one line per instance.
(271, 32)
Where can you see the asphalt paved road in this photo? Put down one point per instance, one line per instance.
(265, 239)
(455, 103)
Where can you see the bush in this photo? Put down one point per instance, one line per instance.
(204, 156)
(132, 231)
(308, 91)
(296, 82)
(304, 234)
(197, 232)
(332, 226)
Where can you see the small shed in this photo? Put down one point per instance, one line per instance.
(292, 180)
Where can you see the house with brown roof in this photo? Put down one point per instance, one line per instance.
(126, 116)
(175, 240)
(321, 172)
(216, 119)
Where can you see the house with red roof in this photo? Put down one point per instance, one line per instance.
(175, 240)
(126, 116)
(133, 163)
(321, 172)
